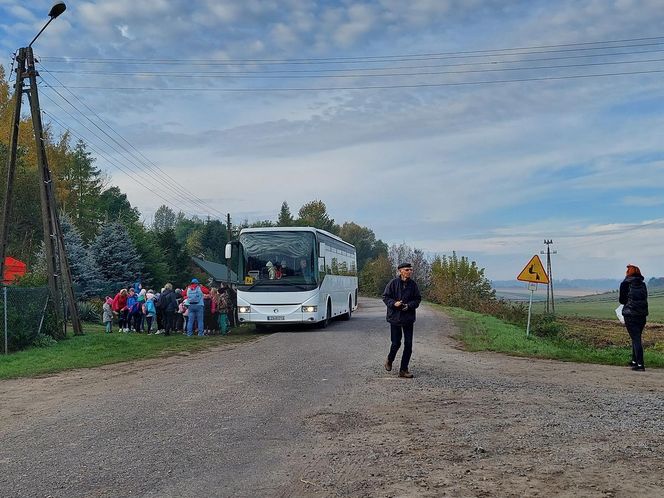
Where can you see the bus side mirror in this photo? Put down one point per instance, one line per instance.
(229, 251)
(321, 265)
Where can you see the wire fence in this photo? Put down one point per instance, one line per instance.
(26, 312)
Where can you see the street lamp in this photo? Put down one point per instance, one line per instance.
(57, 9)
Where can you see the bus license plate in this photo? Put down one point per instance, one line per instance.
(276, 317)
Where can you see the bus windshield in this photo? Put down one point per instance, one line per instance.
(279, 259)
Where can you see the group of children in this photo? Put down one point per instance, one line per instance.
(138, 310)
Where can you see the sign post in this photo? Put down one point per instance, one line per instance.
(534, 274)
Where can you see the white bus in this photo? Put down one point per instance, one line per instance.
(293, 275)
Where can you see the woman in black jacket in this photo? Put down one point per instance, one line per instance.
(634, 298)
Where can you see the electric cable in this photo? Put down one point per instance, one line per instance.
(369, 87)
(426, 73)
(175, 190)
(124, 168)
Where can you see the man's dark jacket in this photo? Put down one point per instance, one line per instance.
(168, 300)
(405, 291)
(634, 296)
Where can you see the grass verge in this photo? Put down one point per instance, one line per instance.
(486, 333)
(96, 348)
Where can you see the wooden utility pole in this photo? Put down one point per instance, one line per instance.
(549, 285)
(57, 263)
(11, 164)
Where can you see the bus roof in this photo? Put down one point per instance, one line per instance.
(295, 229)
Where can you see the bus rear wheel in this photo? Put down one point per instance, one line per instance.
(350, 309)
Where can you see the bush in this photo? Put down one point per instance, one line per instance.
(514, 313)
(89, 311)
(546, 326)
(44, 341)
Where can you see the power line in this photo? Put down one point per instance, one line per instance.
(370, 87)
(359, 75)
(153, 166)
(462, 53)
(193, 196)
(386, 68)
(114, 162)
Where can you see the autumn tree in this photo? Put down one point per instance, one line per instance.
(375, 275)
(457, 281)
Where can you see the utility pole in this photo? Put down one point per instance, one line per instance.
(549, 286)
(59, 273)
(229, 227)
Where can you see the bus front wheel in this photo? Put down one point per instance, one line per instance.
(326, 321)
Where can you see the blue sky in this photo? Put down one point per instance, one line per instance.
(276, 100)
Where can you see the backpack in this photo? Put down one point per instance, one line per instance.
(195, 295)
(150, 308)
(135, 308)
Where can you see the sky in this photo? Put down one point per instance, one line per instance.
(477, 126)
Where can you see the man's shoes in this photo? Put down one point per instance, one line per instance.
(388, 365)
(405, 374)
(639, 368)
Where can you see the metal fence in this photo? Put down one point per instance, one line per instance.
(26, 312)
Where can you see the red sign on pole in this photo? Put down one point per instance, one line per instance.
(13, 269)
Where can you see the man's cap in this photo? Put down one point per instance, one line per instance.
(404, 265)
(194, 280)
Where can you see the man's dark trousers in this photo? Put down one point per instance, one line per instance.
(396, 331)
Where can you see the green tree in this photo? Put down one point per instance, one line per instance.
(164, 219)
(314, 214)
(81, 184)
(285, 218)
(364, 240)
(185, 226)
(457, 281)
(262, 224)
(175, 256)
(155, 270)
(115, 206)
(214, 237)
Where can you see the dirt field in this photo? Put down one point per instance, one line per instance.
(332, 422)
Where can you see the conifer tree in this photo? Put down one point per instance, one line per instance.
(285, 218)
(116, 255)
(85, 272)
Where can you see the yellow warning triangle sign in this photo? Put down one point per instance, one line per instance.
(534, 272)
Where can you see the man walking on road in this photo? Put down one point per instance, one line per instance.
(402, 297)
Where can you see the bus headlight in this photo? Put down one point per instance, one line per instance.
(244, 309)
(309, 309)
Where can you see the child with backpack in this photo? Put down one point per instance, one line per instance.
(149, 310)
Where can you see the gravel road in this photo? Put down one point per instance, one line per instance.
(313, 413)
